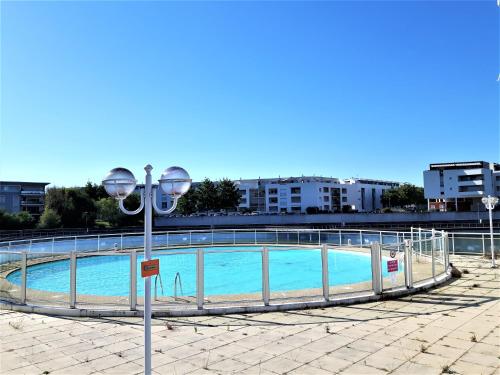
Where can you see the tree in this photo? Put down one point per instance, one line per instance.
(94, 191)
(188, 203)
(404, 195)
(207, 196)
(19, 220)
(228, 195)
(108, 210)
(73, 205)
(49, 219)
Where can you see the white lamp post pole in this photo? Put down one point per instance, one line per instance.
(120, 183)
(490, 203)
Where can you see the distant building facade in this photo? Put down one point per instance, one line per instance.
(297, 194)
(18, 196)
(459, 186)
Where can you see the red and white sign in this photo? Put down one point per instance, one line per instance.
(392, 265)
(150, 267)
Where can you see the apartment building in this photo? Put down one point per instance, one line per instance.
(459, 186)
(17, 196)
(298, 194)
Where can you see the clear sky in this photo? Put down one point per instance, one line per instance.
(247, 89)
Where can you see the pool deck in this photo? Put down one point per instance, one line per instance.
(452, 329)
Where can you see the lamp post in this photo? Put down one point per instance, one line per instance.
(490, 203)
(119, 184)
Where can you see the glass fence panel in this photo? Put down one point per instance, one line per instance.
(84, 244)
(245, 237)
(269, 237)
(47, 279)
(332, 238)
(351, 238)
(295, 272)
(233, 276)
(421, 261)
(10, 276)
(201, 238)
(102, 280)
(288, 238)
(160, 240)
(176, 282)
(467, 244)
(349, 270)
(63, 245)
(369, 238)
(393, 275)
(228, 237)
(309, 238)
(389, 238)
(178, 239)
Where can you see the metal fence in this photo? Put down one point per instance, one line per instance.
(266, 260)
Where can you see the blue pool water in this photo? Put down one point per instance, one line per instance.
(225, 273)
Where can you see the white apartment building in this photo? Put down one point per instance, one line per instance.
(297, 194)
(460, 186)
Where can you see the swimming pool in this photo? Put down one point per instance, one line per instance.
(227, 270)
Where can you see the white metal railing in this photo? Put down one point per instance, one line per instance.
(430, 247)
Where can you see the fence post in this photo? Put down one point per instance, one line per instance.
(408, 264)
(72, 280)
(380, 238)
(340, 237)
(298, 237)
(453, 243)
(433, 249)
(277, 236)
(234, 236)
(265, 276)
(53, 240)
(24, 260)
(121, 241)
(376, 268)
(411, 233)
(420, 241)
(200, 278)
(360, 238)
(98, 242)
(133, 280)
(255, 234)
(324, 269)
(74, 248)
(484, 246)
(190, 239)
(212, 237)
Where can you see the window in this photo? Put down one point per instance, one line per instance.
(273, 208)
(295, 199)
(243, 201)
(243, 192)
(471, 177)
(344, 199)
(344, 191)
(2, 199)
(326, 190)
(326, 207)
(295, 209)
(273, 191)
(273, 199)
(326, 198)
(464, 189)
(295, 190)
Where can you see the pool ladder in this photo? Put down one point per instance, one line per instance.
(177, 278)
(161, 286)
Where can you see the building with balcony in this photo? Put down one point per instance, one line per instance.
(18, 196)
(459, 186)
(297, 194)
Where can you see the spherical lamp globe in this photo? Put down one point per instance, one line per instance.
(119, 183)
(175, 181)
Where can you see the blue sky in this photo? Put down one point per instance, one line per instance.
(246, 89)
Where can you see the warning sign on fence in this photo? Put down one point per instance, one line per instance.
(392, 265)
